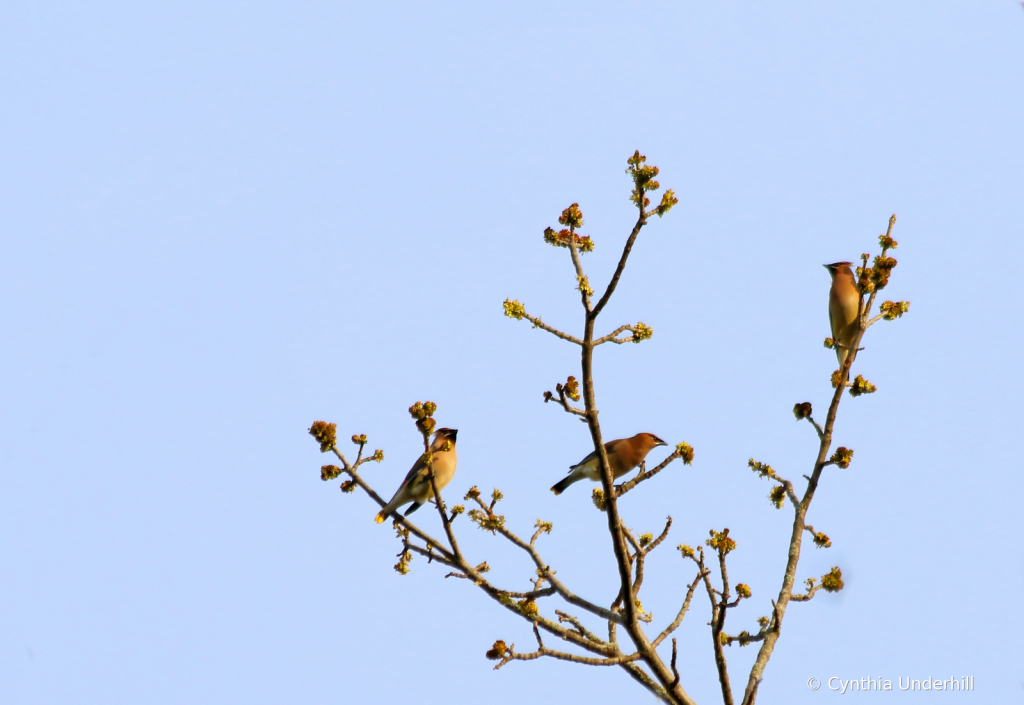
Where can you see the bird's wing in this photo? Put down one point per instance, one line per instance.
(589, 458)
(608, 448)
(417, 467)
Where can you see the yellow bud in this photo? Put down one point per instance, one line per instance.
(833, 580)
(325, 433)
(862, 386)
(496, 652)
(514, 309)
(642, 331)
(329, 472)
(721, 542)
(685, 451)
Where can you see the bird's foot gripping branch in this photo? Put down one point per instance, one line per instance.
(615, 633)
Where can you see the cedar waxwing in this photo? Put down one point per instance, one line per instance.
(623, 455)
(416, 487)
(843, 299)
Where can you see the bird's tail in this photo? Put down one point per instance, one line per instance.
(381, 516)
(560, 486)
(841, 354)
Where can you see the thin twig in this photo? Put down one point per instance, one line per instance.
(820, 431)
(796, 536)
(675, 671)
(645, 475)
(403, 521)
(641, 221)
(548, 574)
(537, 323)
(682, 610)
(583, 631)
(806, 596)
(610, 338)
(564, 402)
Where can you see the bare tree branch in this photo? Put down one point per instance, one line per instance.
(641, 221)
(610, 338)
(786, 591)
(644, 475)
(701, 574)
(563, 591)
(643, 663)
(538, 323)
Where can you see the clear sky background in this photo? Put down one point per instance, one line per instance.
(222, 221)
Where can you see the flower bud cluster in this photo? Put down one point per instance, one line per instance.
(833, 580)
(571, 389)
(762, 469)
(802, 411)
(325, 433)
(668, 199)
(402, 567)
(528, 608)
(721, 542)
(422, 412)
(642, 331)
(643, 180)
(887, 242)
(842, 457)
(891, 310)
(485, 520)
(685, 451)
(562, 238)
(497, 652)
(861, 386)
(514, 309)
(572, 216)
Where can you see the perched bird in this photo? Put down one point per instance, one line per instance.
(623, 455)
(416, 487)
(843, 299)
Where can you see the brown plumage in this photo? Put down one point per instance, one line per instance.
(843, 299)
(624, 454)
(416, 487)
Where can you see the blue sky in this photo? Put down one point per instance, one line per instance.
(222, 221)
